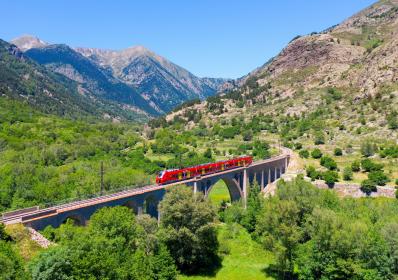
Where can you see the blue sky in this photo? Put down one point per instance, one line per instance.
(224, 38)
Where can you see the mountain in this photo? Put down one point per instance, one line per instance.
(23, 79)
(347, 75)
(160, 81)
(92, 79)
(27, 42)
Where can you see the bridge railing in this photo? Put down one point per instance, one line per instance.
(83, 197)
(96, 195)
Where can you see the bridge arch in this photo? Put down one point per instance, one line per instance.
(150, 205)
(77, 219)
(235, 192)
(131, 205)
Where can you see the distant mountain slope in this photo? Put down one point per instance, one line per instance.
(91, 78)
(159, 80)
(27, 42)
(23, 79)
(160, 83)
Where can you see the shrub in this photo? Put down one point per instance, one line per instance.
(356, 166)
(334, 93)
(319, 139)
(304, 154)
(378, 177)
(368, 165)
(368, 149)
(368, 186)
(347, 174)
(329, 163)
(396, 182)
(338, 152)
(298, 146)
(316, 153)
(330, 177)
(313, 173)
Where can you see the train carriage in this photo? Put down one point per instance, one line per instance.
(175, 175)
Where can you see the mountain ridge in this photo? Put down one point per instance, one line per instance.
(161, 83)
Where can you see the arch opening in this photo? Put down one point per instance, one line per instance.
(232, 185)
(150, 206)
(132, 205)
(219, 193)
(75, 219)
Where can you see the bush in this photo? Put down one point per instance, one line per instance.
(338, 152)
(368, 186)
(347, 174)
(304, 154)
(316, 153)
(298, 146)
(313, 173)
(319, 139)
(330, 177)
(378, 177)
(396, 182)
(356, 166)
(368, 165)
(328, 163)
(368, 149)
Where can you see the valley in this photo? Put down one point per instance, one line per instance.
(78, 122)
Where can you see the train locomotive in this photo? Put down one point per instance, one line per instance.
(175, 175)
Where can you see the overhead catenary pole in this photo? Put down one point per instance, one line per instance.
(102, 177)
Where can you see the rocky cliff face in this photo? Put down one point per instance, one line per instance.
(361, 53)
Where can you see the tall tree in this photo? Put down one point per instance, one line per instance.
(187, 229)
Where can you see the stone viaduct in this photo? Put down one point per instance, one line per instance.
(146, 199)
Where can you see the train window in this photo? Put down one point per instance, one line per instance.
(161, 173)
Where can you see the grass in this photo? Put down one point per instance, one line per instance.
(26, 247)
(219, 193)
(243, 258)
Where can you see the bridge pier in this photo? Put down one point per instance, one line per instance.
(244, 188)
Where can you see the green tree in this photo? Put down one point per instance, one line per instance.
(338, 152)
(54, 264)
(378, 177)
(254, 203)
(368, 148)
(187, 229)
(316, 153)
(356, 166)
(330, 177)
(368, 186)
(277, 229)
(11, 265)
(329, 163)
(347, 173)
(304, 154)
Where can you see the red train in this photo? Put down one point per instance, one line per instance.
(175, 175)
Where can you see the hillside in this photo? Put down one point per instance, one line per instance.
(334, 90)
(23, 79)
(357, 59)
(92, 79)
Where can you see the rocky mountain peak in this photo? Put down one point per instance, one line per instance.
(26, 42)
